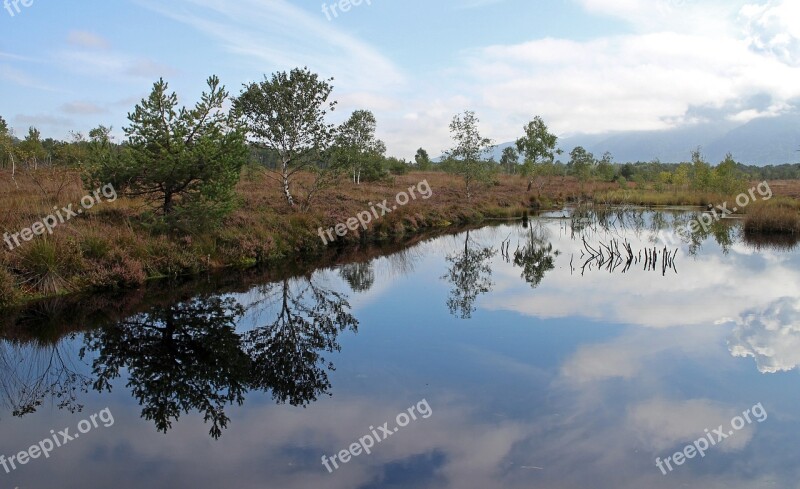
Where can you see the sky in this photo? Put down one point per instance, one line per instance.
(585, 66)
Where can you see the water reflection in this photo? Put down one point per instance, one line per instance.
(770, 335)
(181, 353)
(764, 242)
(31, 373)
(39, 363)
(536, 256)
(178, 358)
(359, 276)
(470, 275)
(601, 367)
(286, 354)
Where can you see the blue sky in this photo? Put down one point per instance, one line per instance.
(586, 66)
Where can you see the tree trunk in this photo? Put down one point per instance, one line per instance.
(168, 203)
(13, 168)
(286, 190)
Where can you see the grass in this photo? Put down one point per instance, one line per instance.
(777, 216)
(113, 246)
(655, 198)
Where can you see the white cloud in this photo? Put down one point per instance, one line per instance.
(680, 56)
(773, 28)
(709, 16)
(83, 108)
(22, 78)
(677, 56)
(633, 82)
(771, 335)
(86, 39)
(113, 65)
(709, 293)
(38, 120)
(663, 425)
(276, 35)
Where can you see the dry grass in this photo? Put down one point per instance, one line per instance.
(776, 216)
(654, 198)
(111, 246)
(779, 215)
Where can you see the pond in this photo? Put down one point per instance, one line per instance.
(585, 348)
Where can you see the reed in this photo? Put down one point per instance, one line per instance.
(773, 217)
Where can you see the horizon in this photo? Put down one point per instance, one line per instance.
(586, 66)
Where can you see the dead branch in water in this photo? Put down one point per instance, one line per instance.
(616, 255)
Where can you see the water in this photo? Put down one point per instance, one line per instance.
(527, 362)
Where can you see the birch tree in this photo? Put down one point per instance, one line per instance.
(537, 146)
(286, 113)
(466, 157)
(358, 145)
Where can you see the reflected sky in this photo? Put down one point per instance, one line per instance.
(559, 377)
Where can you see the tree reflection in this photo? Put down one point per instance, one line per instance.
(471, 276)
(30, 373)
(189, 356)
(536, 257)
(689, 230)
(359, 276)
(286, 354)
(179, 358)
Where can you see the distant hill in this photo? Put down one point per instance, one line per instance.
(766, 141)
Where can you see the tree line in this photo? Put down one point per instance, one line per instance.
(186, 161)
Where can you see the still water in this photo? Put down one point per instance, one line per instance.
(573, 352)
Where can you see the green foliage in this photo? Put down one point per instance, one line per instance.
(396, 166)
(538, 143)
(466, 156)
(701, 175)
(664, 179)
(356, 148)
(680, 178)
(73, 154)
(627, 170)
(286, 114)
(537, 146)
(727, 178)
(605, 168)
(184, 162)
(423, 160)
(6, 144)
(31, 150)
(581, 163)
(509, 160)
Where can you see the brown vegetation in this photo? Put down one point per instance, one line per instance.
(116, 245)
(778, 216)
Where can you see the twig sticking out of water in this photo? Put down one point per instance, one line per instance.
(616, 254)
